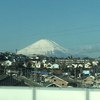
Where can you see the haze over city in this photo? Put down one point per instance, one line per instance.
(73, 24)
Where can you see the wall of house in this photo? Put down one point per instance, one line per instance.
(59, 82)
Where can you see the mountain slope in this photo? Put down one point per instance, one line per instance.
(45, 47)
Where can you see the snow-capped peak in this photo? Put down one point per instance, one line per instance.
(45, 47)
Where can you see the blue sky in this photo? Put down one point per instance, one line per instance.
(73, 24)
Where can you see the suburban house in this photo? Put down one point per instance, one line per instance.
(88, 81)
(11, 81)
(58, 81)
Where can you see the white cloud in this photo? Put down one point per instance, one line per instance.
(87, 49)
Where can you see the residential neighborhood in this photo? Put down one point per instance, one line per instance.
(49, 49)
(41, 71)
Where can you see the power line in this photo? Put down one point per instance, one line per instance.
(75, 45)
(39, 35)
(48, 33)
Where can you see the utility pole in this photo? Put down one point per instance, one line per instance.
(35, 74)
(16, 51)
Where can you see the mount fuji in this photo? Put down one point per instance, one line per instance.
(45, 47)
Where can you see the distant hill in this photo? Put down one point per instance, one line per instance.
(45, 47)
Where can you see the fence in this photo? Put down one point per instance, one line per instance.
(42, 93)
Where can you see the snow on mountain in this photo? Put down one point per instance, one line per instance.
(45, 47)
